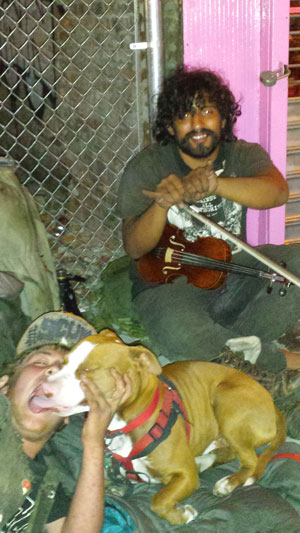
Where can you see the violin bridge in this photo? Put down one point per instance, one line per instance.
(168, 255)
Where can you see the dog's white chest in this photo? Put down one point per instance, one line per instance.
(122, 445)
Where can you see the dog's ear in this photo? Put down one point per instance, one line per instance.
(109, 334)
(146, 359)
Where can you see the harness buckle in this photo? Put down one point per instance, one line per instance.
(157, 429)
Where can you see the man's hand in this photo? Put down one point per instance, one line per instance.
(102, 409)
(196, 185)
(87, 508)
(4, 384)
(200, 182)
(169, 191)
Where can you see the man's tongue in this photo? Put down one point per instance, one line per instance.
(41, 403)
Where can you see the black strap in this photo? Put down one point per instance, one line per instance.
(44, 501)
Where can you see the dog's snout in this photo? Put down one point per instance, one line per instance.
(47, 389)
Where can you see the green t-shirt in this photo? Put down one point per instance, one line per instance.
(60, 508)
(147, 169)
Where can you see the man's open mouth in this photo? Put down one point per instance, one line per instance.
(40, 402)
(199, 137)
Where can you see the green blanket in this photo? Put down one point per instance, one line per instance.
(111, 305)
(271, 505)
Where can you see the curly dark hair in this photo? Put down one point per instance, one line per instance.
(178, 96)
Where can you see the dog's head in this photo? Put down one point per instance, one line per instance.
(94, 357)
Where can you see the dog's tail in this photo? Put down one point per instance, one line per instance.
(279, 439)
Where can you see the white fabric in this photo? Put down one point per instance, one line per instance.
(250, 346)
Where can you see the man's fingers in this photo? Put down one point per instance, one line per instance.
(205, 163)
(168, 192)
(123, 385)
(164, 200)
(122, 390)
(200, 182)
(118, 395)
(3, 384)
(90, 389)
(171, 184)
(151, 194)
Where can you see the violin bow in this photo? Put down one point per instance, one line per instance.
(268, 262)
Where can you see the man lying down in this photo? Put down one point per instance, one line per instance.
(33, 498)
(272, 504)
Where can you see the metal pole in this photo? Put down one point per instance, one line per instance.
(153, 12)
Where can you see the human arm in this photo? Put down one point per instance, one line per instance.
(265, 190)
(262, 189)
(253, 182)
(87, 507)
(141, 234)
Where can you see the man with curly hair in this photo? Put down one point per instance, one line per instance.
(197, 160)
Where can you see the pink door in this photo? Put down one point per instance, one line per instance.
(241, 39)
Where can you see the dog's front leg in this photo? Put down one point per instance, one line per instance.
(166, 502)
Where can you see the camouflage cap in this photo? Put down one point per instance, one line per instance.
(56, 327)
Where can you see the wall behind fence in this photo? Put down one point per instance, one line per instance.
(74, 110)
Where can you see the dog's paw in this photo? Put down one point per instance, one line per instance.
(250, 481)
(188, 512)
(204, 462)
(223, 487)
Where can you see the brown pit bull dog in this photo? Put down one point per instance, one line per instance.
(172, 416)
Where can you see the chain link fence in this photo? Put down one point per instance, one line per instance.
(73, 112)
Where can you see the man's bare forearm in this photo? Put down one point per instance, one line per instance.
(141, 234)
(87, 508)
(258, 192)
(265, 190)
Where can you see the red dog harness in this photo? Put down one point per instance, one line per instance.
(172, 407)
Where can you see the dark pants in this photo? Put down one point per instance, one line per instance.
(185, 322)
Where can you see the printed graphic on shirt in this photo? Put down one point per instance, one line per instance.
(225, 213)
(19, 522)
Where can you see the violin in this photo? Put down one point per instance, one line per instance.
(205, 262)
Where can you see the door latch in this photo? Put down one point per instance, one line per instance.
(270, 77)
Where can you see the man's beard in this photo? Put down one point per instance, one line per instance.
(36, 434)
(200, 150)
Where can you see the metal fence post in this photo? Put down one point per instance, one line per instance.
(153, 17)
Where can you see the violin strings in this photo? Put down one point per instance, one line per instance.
(202, 261)
(216, 264)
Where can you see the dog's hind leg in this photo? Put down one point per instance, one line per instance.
(253, 422)
(248, 462)
(279, 439)
(251, 466)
